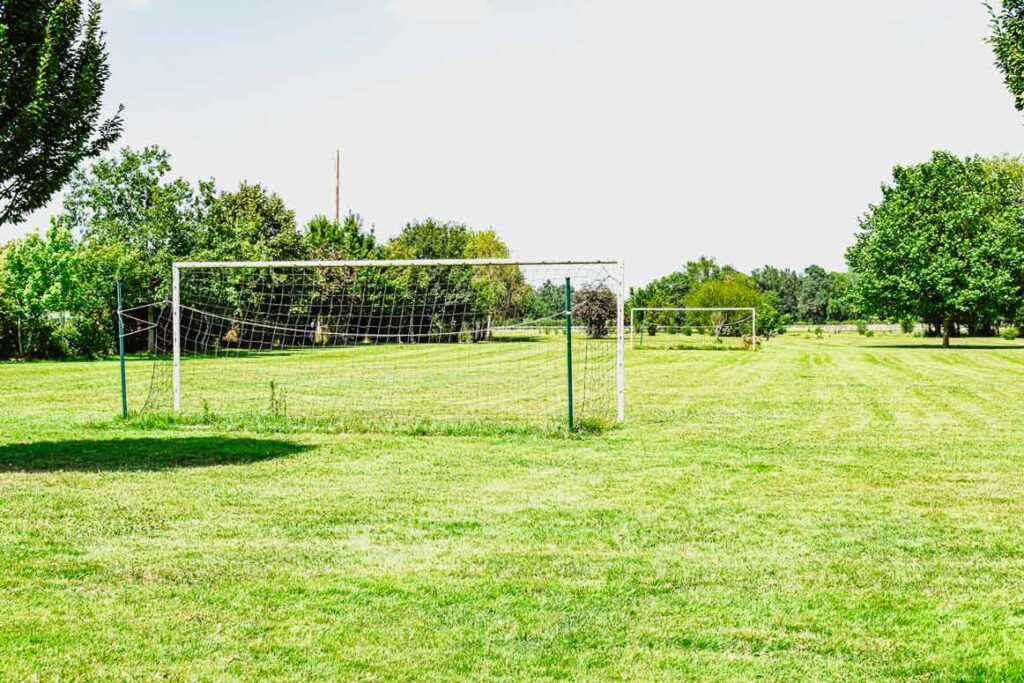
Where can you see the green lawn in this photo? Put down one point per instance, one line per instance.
(838, 509)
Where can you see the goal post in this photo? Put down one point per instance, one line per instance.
(692, 327)
(448, 340)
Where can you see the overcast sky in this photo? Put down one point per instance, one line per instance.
(655, 131)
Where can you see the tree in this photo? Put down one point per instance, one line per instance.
(128, 202)
(813, 295)
(842, 298)
(946, 243)
(595, 305)
(346, 241)
(672, 289)
(734, 290)
(251, 223)
(53, 72)
(57, 308)
(1007, 41)
(785, 283)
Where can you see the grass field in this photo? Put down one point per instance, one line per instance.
(844, 508)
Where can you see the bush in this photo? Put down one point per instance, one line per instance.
(819, 332)
(869, 333)
(908, 325)
(688, 331)
(595, 305)
(84, 337)
(1010, 333)
(862, 328)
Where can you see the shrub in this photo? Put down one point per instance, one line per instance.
(1010, 333)
(688, 331)
(869, 333)
(819, 332)
(595, 305)
(862, 327)
(908, 325)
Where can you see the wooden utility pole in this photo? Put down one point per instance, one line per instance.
(337, 186)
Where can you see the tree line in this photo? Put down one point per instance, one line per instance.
(780, 295)
(944, 246)
(125, 218)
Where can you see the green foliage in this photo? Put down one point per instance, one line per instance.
(546, 302)
(327, 240)
(815, 295)
(128, 204)
(785, 284)
(862, 327)
(733, 290)
(945, 245)
(812, 298)
(1010, 333)
(251, 223)
(907, 325)
(671, 290)
(1007, 41)
(53, 72)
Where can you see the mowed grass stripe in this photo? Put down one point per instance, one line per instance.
(782, 515)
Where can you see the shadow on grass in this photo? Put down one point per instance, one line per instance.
(127, 455)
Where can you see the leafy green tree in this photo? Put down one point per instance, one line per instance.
(53, 305)
(546, 302)
(430, 239)
(946, 243)
(842, 299)
(673, 289)
(785, 283)
(813, 295)
(733, 290)
(128, 203)
(1007, 41)
(328, 240)
(250, 224)
(53, 71)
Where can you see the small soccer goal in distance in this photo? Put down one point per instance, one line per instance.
(489, 342)
(668, 328)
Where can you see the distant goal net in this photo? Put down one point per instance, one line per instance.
(693, 328)
(443, 342)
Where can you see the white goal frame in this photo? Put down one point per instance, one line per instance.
(684, 309)
(620, 296)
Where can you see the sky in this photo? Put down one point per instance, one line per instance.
(652, 131)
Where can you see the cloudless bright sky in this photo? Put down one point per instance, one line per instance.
(655, 131)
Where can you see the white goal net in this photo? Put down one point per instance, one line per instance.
(693, 328)
(382, 342)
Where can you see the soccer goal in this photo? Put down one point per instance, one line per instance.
(693, 328)
(424, 341)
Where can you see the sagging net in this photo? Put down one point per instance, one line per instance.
(451, 344)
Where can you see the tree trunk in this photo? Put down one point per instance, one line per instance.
(947, 327)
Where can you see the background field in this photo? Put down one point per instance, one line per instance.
(844, 508)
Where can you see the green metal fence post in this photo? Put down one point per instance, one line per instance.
(568, 348)
(120, 351)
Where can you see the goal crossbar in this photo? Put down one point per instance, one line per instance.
(687, 309)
